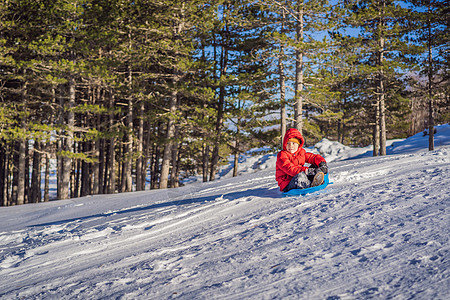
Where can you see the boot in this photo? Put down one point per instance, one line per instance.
(318, 179)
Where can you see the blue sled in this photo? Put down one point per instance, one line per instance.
(296, 192)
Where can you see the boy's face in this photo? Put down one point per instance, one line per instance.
(292, 147)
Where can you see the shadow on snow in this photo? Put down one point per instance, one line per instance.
(186, 199)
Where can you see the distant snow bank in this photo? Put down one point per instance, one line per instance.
(250, 162)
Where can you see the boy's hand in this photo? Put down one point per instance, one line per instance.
(312, 170)
(323, 167)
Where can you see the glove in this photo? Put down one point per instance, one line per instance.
(312, 170)
(323, 167)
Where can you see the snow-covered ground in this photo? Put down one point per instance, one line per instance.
(380, 231)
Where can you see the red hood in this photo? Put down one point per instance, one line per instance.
(293, 133)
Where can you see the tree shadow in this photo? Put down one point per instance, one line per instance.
(186, 199)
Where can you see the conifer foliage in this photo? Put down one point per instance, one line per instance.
(113, 96)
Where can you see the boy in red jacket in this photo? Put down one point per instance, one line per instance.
(290, 170)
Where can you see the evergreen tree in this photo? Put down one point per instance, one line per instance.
(24, 27)
(295, 41)
(431, 24)
(308, 18)
(115, 89)
(383, 28)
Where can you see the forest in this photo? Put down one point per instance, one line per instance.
(120, 96)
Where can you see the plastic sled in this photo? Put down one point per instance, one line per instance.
(296, 192)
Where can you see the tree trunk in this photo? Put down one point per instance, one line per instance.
(11, 161)
(170, 133)
(96, 177)
(102, 182)
(96, 166)
(339, 130)
(282, 95)
(146, 168)
(382, 123)
(15, 175)
(382, 96)
(59, 145)
(164, 177)
(430, 125)
(220, 105)
(177, 168)
(86, 172)
(22, 156)
(111, 171)
(173, 105)
(215, 152)
(27, 172)
(140, 147)
(376, 130)
(155, 166)
(35, 196)
(75, 173)
(47, 174)
(236, 154)
(66, 160)
(430, 91)
(111, 174)
(174, 172)
(236, 163)
(127, 179)
(377, 134)
(59, 165)
(205, 161)
(3, 174)
(282, 77)
(298, 106)
(342, 123)
(127, 152)
(21, 173)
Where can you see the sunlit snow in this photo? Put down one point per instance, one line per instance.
(381, 231)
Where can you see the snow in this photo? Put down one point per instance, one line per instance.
(381, 230)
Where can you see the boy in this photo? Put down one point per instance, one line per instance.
(290, 170)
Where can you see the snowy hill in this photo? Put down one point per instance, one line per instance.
(335, 151)
(381, 230)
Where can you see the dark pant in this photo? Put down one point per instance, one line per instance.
(299, 181)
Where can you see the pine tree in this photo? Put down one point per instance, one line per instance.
(24, 23)
(383, 28)
(295, 41)
(309, 17)
(431, 24)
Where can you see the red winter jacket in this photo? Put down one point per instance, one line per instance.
(290, 164)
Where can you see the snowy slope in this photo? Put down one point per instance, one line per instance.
(381, 230)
